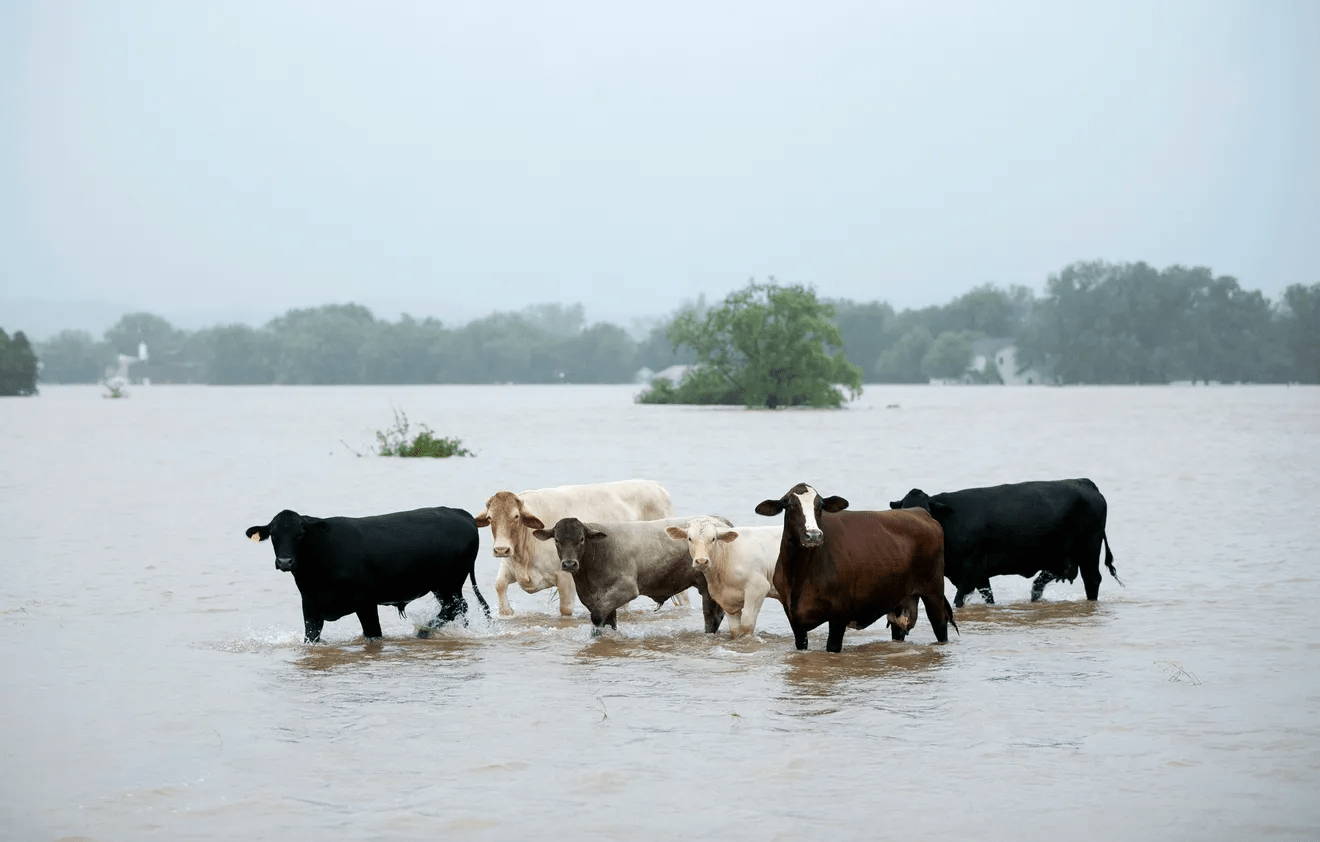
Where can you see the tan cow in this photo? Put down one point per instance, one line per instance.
(738, 563)
(533, 564)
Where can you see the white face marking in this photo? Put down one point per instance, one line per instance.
(807, 499)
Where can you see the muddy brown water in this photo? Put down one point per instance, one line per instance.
(156, 685)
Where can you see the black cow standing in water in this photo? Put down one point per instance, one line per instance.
(350, 565)
(1054, 528)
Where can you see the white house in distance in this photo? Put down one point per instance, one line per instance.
(1004, 353)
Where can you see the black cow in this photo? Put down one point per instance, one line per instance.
(1053, 528)
(350, 565)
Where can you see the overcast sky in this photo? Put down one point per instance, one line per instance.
(216, 161)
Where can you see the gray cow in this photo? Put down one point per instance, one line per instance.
(614, 563)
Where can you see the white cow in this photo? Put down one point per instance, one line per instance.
(739, 565)
(533, 564)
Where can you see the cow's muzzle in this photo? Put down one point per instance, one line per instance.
(812, 538)
(701, 562)
(285, 564)
(502, 551)
(570, 565)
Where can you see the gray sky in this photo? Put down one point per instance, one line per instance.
(228, 160)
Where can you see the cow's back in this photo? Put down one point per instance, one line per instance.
(865, 541)
(606, 502)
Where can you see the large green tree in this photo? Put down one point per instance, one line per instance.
(766, 345)
(18, 365)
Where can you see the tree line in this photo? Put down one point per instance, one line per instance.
(1096, 322)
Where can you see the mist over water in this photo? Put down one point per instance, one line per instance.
(158, 686)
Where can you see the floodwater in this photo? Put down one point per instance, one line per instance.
(157, 686)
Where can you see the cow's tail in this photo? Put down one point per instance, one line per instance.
(948, 610)
(472, 574)
(1109, 559)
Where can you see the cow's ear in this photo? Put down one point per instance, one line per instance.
(728, 536)
(769, 508)
(895, 504)
(594, 534)
(543, 534)
(258, 533)
(676, 533)
(938, 508)
(834, 504)
(532, 521)
(310, 523)
(483, 519)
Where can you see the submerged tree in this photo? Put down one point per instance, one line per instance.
(765, 345)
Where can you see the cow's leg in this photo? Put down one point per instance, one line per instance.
(567, 593)
(712, 612)
(369, 617)
(735, 624)
(986, 594)
(502, 580)
(1038, 586)
(753, 599)
(1091, 579)
(964, 588)
(835, 641)
(799, 635)
(312, 622)
(937, 611)
(452, 607)
(312, 629)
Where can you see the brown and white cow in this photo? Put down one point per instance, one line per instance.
(533, 564)
(849, 569)
(738, 563)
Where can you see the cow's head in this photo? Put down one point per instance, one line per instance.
(918, 499)
(701, 534)
(914, 499)
(506, 516)
(570, 536)
(285, 531)
(802, 506)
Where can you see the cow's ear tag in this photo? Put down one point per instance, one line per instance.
(256, 537)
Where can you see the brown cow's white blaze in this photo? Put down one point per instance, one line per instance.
(810, 529)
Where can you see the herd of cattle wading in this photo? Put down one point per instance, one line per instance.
(609, 543)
